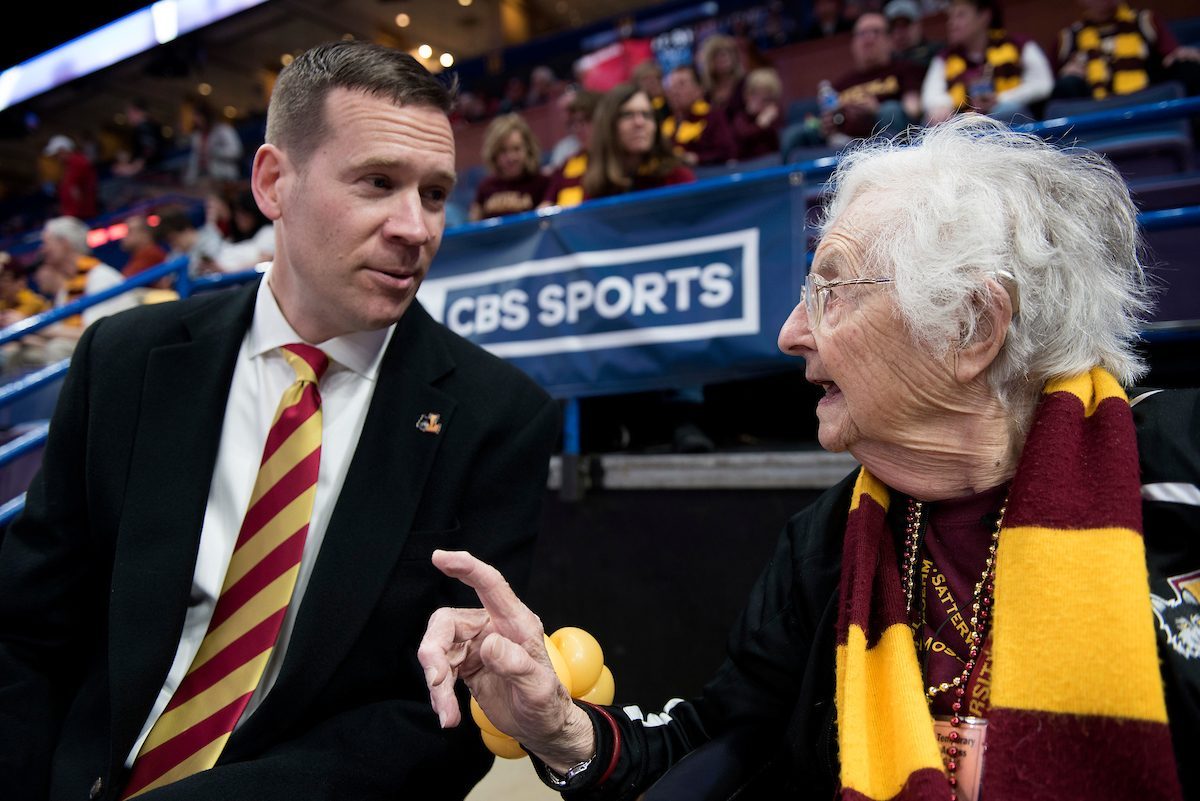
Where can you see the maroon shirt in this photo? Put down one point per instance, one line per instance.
(889, 82)
(499, 196)
(77, 189)
(754, 140)
(954, 550)
(704, 131)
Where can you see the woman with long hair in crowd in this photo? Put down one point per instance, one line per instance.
(628, 152)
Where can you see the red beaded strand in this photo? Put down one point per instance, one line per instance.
(981, 603)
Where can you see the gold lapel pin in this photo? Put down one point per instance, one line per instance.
(430, 423)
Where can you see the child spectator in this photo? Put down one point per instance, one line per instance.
(757, 123)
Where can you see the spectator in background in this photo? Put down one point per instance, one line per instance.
(250, 238)
(564, 187)
(881, 95)
(147, 145)
(908, 35)
(721, 72)
(216, 149)
(65, 249)
(514, 95)
(628, 151)
(853, 9)
(757, 122)
(649, 78)
(1117, 50)
(77, 186)
(470, 107)
(139, 243)
(827, 20)
(983, 68)
(514, 183)
(578, 107)
(544, 86)
(699, 133)
(68, 272)
(183, 238)
(17, 300)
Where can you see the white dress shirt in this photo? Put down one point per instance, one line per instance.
(259, 380)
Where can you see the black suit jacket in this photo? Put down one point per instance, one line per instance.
(95, 577)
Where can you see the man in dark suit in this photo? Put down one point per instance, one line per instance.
(109, 582)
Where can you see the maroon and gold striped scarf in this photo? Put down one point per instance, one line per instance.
(1077, 700)
(1118, 54)
(1002, 58)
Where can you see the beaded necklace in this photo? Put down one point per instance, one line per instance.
(981, 605)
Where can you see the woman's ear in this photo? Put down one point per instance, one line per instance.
(995, 315)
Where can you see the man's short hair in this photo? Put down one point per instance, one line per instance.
(71, 230)
(173, 221)
(585, 102)
(296, 120)
(647, 67)
(688, 68)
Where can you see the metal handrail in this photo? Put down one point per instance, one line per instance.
(38, 321)
(1145, 112)
(31, 439)
(10, 510)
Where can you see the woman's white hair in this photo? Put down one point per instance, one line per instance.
(971, 199)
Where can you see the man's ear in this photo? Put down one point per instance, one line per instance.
(974, 356)
(271, 174)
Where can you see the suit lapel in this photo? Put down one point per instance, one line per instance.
(369, 526)
(175, 448)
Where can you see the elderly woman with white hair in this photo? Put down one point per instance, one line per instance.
(1015, 566)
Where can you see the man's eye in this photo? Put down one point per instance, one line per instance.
(437, 195)
(379, 182)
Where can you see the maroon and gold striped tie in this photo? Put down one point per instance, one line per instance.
(192, 730)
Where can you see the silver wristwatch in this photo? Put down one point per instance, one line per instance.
(571, 773)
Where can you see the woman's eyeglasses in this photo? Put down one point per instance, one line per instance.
(816, 291)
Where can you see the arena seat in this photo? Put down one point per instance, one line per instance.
(733, 167)
(1186, 31)
(1137, 149)
(1166, 191)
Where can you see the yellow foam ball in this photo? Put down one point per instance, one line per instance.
(481, 720)
(583, 656)
(559, 664)
(603, 690)
(502, 745)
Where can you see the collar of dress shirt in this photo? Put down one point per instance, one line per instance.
(361, 351)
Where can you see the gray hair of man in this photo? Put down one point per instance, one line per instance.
(71, 230)
(971, 199)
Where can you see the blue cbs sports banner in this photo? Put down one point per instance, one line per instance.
(678, 286)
